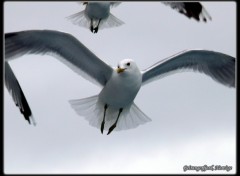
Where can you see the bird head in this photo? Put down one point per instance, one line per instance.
(126, 66)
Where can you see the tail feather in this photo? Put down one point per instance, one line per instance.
(79, 19)
(111, 21)
(93, 110)
(84, 106)
(82, 20)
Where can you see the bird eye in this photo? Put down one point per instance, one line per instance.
(128, 64)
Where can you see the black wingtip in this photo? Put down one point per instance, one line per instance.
(27, 112)
(193, 10)
(27, 117)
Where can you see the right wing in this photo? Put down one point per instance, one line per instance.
(218, 66)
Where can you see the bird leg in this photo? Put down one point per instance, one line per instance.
(91, 26)
(96, 28)
(115, 124)
(103, 122)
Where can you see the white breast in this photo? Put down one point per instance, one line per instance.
(121, 90)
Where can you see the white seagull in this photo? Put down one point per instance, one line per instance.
(96, 15)
(113, 108)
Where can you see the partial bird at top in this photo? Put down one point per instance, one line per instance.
(191, 10)
(113, 108)
(97, 15)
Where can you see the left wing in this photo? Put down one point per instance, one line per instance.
(219, 66)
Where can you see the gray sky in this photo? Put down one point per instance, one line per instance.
(193, 117)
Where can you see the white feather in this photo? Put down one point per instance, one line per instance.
(110, 22)
(80, 19)
(93, 110)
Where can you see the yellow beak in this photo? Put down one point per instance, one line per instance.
(120, 70)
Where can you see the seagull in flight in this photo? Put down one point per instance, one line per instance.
(113, 108)
(96, 15)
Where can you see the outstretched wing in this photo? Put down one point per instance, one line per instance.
(17, 94)
(218, 66)
(191, 10)
(72, 52)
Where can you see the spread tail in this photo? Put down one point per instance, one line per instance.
(82, 20)
(111, 21)
(79, 19)
(93, 110)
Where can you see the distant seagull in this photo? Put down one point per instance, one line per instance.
(113, 108)
(96, 16)
(191, 10)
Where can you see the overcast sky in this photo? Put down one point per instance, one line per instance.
(193, 117)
